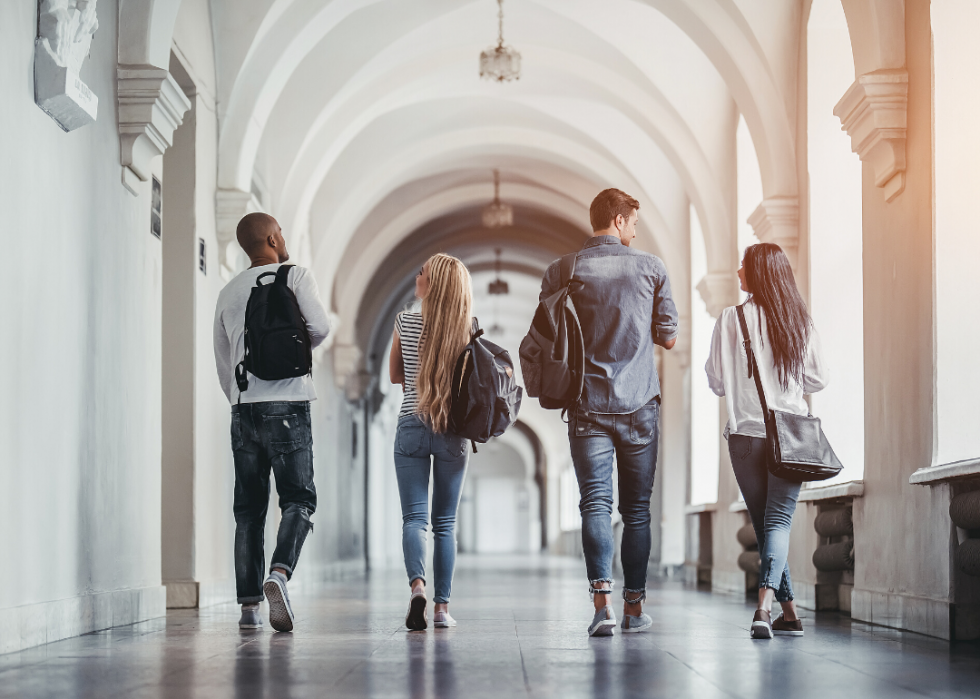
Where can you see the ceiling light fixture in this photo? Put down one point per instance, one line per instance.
(496, 214)
(498, 287)
(501, 63)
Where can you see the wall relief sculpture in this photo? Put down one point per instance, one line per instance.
(64, 35)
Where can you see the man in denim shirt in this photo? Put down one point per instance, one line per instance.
(625, 308)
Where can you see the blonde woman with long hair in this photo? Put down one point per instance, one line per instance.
(424, 350)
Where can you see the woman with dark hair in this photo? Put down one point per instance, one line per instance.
(787, 349)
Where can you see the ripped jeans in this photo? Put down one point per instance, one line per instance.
(771, 502)
(277, 437)
(631, 441)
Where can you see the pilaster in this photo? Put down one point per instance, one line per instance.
(230, 206)
(719, 291)
(873, 112)
(151, 107)
(777, 220)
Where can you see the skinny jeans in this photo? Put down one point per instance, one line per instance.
(771, 502)
(419, 451)
(270, 437)
(597, 440)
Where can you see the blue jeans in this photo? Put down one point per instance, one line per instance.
(633, 440)
(417, 450)
(771, 502)
(272, 436)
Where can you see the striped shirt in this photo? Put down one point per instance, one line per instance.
(408, 325)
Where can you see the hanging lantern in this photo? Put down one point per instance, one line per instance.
(501, 63)
(496, 214)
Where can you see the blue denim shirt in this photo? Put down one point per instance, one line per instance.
(625, 307)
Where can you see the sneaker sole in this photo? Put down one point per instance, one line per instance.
(415, 620)
(760, 629)
(604, 628)
(787, 633)
(638, 629)
(279, 617)
(250, 626)
(443, 625)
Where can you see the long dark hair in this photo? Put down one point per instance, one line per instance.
(772, 288)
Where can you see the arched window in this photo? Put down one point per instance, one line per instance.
(705, 411)
(957, 228)
(836, 274)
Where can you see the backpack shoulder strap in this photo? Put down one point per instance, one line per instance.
(282, 274)
(753, 366)
(567, 268)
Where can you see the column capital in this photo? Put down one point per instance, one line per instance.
(230, 205)
(719, 291)
(873, 112)
(151, 107)
(777, 220)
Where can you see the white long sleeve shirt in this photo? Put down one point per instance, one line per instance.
(728, 372)
(229, 335)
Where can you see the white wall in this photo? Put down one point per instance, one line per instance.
(836, 267)
(80, 415)
(957, 228)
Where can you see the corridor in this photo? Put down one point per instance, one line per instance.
(521, 633)
(136, 136)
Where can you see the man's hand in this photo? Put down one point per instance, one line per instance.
(670, 343)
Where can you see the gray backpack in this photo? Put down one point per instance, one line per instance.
(553, 351)
(485, 395)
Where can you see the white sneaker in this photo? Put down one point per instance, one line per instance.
(442, 620)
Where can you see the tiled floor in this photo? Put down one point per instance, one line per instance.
(521, 633)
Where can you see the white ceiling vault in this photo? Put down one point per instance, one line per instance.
(367, 125)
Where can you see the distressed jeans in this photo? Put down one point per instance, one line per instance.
(632, 439)
(277, 437)
(419, 450)
(771, 502)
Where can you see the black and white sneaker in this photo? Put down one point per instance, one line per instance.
(280, 611)
(416, 619)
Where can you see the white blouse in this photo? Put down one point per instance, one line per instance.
(728, 372)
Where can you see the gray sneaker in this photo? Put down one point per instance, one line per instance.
(280, 611)
(604, 622)
(250, 617)
(636, 624)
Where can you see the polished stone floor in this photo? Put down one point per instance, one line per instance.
(521, 632)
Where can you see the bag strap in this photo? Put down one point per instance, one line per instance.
(282, 274)
(567, 268)
(753, 366)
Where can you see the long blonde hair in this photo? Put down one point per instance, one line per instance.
(446, 324)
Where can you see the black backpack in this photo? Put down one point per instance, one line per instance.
(277, 343)
(485, 395)
(553, 351)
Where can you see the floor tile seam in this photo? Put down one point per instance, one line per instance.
(517, 634)
(365, 661)
(128, 691)
(861, 672)
(699, 674)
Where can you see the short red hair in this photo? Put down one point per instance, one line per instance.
(609, 204)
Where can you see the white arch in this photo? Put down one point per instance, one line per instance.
(715, 26)
(720, 30)
(354, 282)
(657, 118)
(146, 30)
(427, 156)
